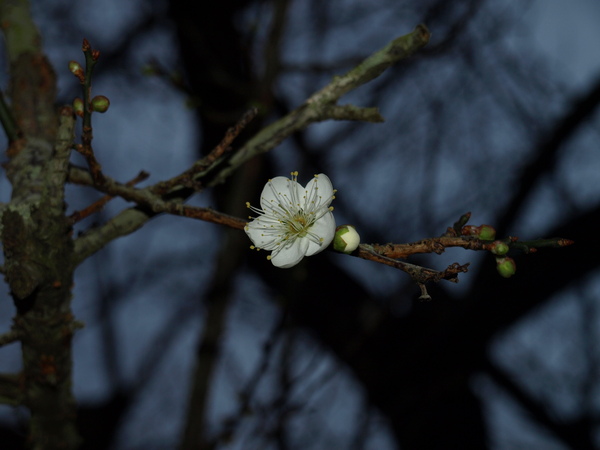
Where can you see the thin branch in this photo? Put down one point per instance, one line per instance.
(186, 179)
(388, 254)
(91, 57)
(95, 168)
(532, 246)
(313, 110)
(99, 204)
(435, 245)
(10, 337)
(420, 274)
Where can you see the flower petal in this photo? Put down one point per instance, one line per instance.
(325, 229)
(290, 255)
(263, 234)
(319, 187)
(293, 222)
(279, 192)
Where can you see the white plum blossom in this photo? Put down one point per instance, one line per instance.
(293, 221)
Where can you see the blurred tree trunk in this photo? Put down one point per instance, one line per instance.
(220, 84)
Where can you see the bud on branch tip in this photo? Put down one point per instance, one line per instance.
(346, 239)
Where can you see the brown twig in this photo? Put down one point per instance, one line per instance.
(148, 198)
(99, 204)
(421, 275)
(206, 214)
(88, 153)
(435, 245)
(388, 254)
(188, 178)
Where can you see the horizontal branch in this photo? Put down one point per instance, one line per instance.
(389, 254)
(431, 245)
(419, 274)
(10, 337)
(131, 219)
(319, 107)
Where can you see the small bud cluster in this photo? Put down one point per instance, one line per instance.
(505, 265)
(99, 103)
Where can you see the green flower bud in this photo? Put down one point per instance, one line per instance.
(78, 107)
(346, 239)
(487, 233)
(77, 70)
(100, 103)
(506, 267)
(499, 248)
(75, 67)
(483, 232)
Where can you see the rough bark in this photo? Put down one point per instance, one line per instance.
(35, 236)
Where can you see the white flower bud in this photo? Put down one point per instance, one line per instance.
(346, 239)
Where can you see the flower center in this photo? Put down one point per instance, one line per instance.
(299, 224)
(289, 213)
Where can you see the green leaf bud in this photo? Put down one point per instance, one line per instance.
(100, 103)
(487, 233)
(506, 267)
(483, 232)
(346, 239)
(75, 67)
(78, 107)
(499, 248)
